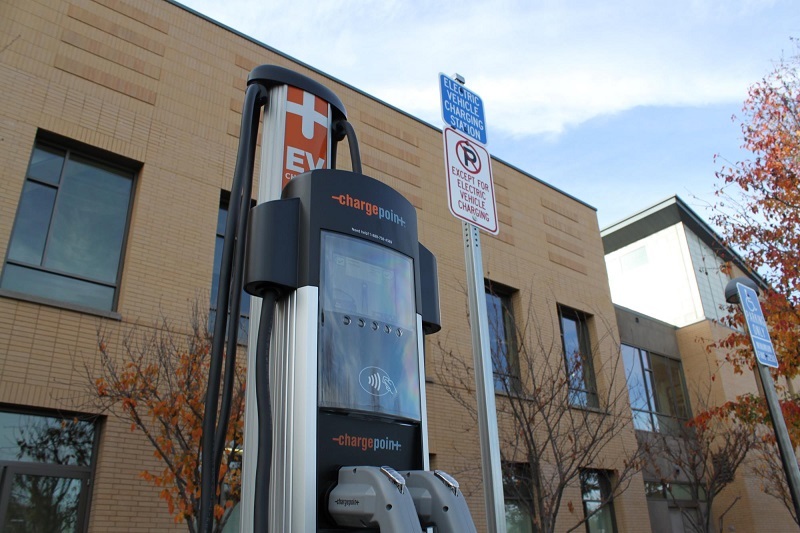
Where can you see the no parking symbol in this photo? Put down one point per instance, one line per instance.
(469, 181)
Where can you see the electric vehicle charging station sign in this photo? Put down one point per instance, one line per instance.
(462, 109)
(470, 188)
(757, 326)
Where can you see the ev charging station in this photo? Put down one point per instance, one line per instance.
(336, 426)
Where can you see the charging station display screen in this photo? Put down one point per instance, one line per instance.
(368, 359)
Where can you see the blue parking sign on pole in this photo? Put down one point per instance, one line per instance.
(757, 326)
(462, 109)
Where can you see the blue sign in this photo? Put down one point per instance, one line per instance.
(462, 109)
(759, 335)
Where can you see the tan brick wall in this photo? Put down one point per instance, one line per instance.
(699, 365)
(152, 82)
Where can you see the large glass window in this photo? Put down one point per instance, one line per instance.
(244, 303)
(598, 506)
(578, 357)
(45, 472)
(502, 339)
(657, 390)
(70, 228)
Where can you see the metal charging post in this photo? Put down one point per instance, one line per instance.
(297, 138)
(349, 293)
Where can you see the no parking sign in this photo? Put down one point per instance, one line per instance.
(470, 188)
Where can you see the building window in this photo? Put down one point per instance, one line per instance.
(517, 496)
(598, 507)
(657, 390)
(502, 339)
(70, 229)
(677, 492)
(244, 303)
(45, 472)
(685, 501)
(578, 357)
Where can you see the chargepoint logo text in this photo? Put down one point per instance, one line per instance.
(370, 209)
(368, 443)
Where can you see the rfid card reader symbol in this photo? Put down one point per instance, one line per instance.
(376, 381)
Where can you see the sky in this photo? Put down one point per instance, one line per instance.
(620, 103)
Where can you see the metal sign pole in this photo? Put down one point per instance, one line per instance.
(468, 168)
(484, 381)
(744, 291)
(788, 457)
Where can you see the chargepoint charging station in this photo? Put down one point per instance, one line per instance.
(338, 440)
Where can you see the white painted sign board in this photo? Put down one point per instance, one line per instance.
(470, 188)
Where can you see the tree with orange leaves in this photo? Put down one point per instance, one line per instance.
(158, 384)
(758, 209)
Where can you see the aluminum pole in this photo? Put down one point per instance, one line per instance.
(484, 382)
(788, 457)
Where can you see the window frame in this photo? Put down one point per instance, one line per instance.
(85, 473)
(72, 150)
(656, 416)
(606, 501)
(588, 393)
(507, 382)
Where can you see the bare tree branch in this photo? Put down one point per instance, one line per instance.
(546, 441)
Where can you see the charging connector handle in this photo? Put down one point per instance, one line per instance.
(371, 496)
(439, 501)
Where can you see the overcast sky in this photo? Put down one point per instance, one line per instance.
(618, 103)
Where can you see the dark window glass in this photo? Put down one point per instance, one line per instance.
(69, 230)
(45, 472)
(33, 222)
(578, 358)
(654, 490)
(518, 519)
(598, 506)
(669, 387)
(244, 303)
(89, 221)
(674, 491)
(517, 495)
(657, 390)
(42, 503)
(43, 439)
(502, 339)
(46, 164)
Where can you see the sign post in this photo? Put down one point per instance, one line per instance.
(744, 292)
(471, 199)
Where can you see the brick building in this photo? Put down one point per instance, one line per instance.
(119, 127)
(665, 269)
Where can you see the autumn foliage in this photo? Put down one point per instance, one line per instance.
(157, 381)
(758, 209)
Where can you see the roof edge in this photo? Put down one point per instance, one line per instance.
(359, 91)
